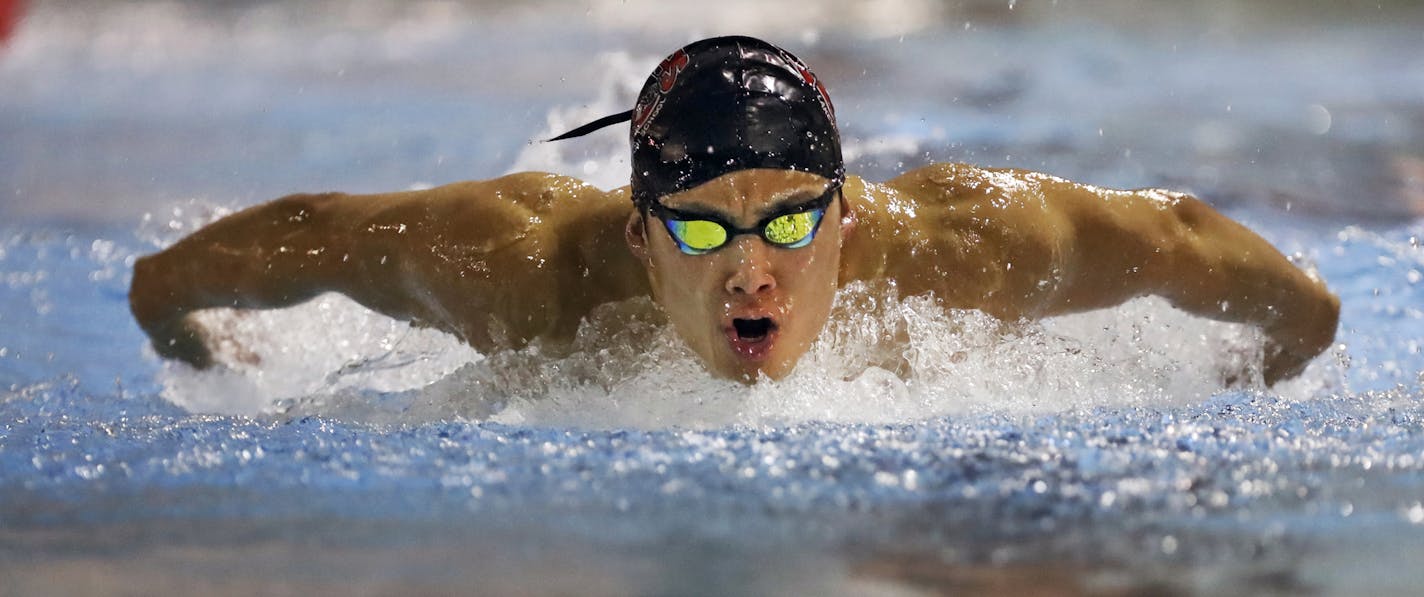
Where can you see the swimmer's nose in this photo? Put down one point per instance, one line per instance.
(751, 268)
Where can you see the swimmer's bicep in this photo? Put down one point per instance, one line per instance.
(1126, 244)
(465, 260)
(1076, 247)
(399, 253)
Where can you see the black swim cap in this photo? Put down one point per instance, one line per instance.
(725, 104)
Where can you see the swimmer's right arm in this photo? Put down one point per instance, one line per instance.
(482, 260)
(271, 255)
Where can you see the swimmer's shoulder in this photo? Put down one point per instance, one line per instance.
(942, 188)
(951, 182)
(491, 213)
(523, 198)
(975, 237)
(539, 192)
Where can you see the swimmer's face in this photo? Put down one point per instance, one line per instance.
(749, 306)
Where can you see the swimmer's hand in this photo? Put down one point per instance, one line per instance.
(1293, 342)
(158, 305)
(183, 340)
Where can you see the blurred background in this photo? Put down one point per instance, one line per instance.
(113, 109)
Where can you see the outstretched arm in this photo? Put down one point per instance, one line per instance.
(1121, 245)
(1031, 245)
(492, 262)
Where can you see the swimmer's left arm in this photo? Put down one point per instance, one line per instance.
(1018, 244)
(1117, 245)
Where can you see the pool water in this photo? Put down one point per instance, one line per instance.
(914, 450)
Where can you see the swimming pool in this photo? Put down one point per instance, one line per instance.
(342, 452)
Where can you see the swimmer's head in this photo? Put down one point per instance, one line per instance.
(737, 176)
(725, 104)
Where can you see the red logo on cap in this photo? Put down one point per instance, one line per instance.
(669, 68)
(649, 104)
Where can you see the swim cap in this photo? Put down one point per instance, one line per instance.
(725, 104)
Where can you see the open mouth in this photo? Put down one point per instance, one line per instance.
(752, 338)
(752, 330)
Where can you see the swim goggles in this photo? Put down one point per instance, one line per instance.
(791, 228)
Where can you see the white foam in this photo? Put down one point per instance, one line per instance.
(271, 359)
(881, 359)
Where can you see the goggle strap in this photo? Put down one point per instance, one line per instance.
(609, 120)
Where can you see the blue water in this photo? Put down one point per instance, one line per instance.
(1096, 453)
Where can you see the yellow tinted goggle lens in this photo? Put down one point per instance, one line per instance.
(791, 229)
(701, 235)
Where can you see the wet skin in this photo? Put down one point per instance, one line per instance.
(505, 261)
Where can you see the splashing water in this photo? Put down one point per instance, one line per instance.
(881, 359)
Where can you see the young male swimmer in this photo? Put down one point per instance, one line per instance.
(742, 224)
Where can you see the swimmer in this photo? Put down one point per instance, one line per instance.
(741, 223)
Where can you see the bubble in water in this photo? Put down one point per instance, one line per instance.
(1317, 119)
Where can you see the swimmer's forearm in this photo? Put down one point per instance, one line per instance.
(1225, 271)
(272, 255)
